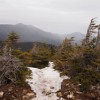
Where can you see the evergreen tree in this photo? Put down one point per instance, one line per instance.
(12, 69)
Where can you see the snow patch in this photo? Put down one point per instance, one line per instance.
(45, 82)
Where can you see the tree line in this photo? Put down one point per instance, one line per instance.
(81, 63)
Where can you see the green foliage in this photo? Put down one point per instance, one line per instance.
(13, 63)
(22, 75)
(63, 55)
(41, 54)
(38, 56)
(81, 64)
(11, 39)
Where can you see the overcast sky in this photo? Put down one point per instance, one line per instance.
(57, 16)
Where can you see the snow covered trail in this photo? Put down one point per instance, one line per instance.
(45, 82)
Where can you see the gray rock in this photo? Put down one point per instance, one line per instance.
(1, 94)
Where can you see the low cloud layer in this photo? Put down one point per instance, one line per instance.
(57, 16)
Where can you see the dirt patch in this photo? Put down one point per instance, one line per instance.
(71, 91)
(16, 92)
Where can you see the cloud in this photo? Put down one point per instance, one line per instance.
(60, 16)
(66, 5)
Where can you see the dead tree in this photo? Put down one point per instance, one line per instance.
(90, 31)
(9, 66)
(34, 49)
(98, 38)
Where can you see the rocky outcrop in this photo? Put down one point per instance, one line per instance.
(16, 92)
(71, 91)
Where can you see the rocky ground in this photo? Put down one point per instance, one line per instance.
(71, 91)
(68, 91)
(16, 92)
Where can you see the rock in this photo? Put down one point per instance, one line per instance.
(59, 94)
(52, 87)
(48, 93)
(1, 94)
(10, 89)
(70, 96)
(13, 96)
(24, 92)
(29, 96)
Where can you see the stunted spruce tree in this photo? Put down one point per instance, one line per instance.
(11, 68)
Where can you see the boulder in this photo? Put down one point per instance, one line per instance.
(1, 94)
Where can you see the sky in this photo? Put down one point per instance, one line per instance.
(56, 16)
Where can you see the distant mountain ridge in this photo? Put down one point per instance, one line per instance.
(29, 33)
(77, 37)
